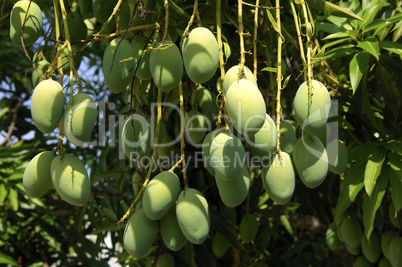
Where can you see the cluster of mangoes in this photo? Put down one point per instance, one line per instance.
(66, 172)
(179, 215)
(384, 250)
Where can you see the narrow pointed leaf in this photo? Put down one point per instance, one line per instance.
(342, 51)
(372, 203)
(392, 47)
(6, 259)
(373, 170)
(332, 9)
(358, 65)
(394, 161)
(350, 188)
(3, 192)
(371, 45)
(13, 198)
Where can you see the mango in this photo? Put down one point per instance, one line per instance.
(166, 66)
(76, 27)
(395, 252)
(337, 156)
(33, 23)
(264, 141)
(79, 119)
(229, 213)
(139, 43)
(311, 160)
(371, 247)
(64, 56)
(204, 100)
(227, 155)
(353, 250)
(165, 260)
(136, 142)
(39, 73)
(331, 237)
(219, 245)
(200, 54)
(233, 192)
(246, 107)
(232, 75)
(386, 239)
(47, 117)
(160, 194)
(70, 178)
(314, 118)
(206, 154)
(248, 228)
(351, 232)
(118, 74)
(139, 235)
(36, 179)
(384, 262)
(288, 136)
(196, 127)
(193, 215)
(279, 178)
(102, 9)
(361, 262)
(171, 234)
(85, 8)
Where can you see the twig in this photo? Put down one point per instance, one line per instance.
(279, 77)
(257, 2)
(13, 120)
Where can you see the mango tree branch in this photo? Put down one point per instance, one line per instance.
(279, 77)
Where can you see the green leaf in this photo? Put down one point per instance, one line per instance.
(396, 189)
(285, 83)
(369, 15)
(371, 45)
(363, 151)
(373, 170)
(6, 259)
(394, 146)
(351, 186)
(13, 198)
(110, 213)
(3, 192)
(338, 52)
(104, 175)
(373, 202)
(392, 47)
(332, 9)
(358, 65)
(285, 222)
(270, 69)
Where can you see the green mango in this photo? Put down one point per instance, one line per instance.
(36, 179)
(395, 252)
(313, 118)
(196, 127)
(386, 239)
(102, 9)
(234, 191)
(351, 232)
(160, 194)
(136, 142)
(136, 183)
(170, 230)
(219, 245)
(371, 247)
(384, 262)
(331, 237)
(140, 233)
(200, 54)
(166, 66)
(288, 136)
(227, 155)
(264, 141)
(70, 179)
(193, 215)
(311, 160)
(139, 43)
(47, 117)
(85, 7)
(79, 119)
(33, 23)
(361, 262)
(232, 75)
(39, 73)
(245, 106)
(279, 178)
(165, 260)
(248, 228)
(118, 74)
